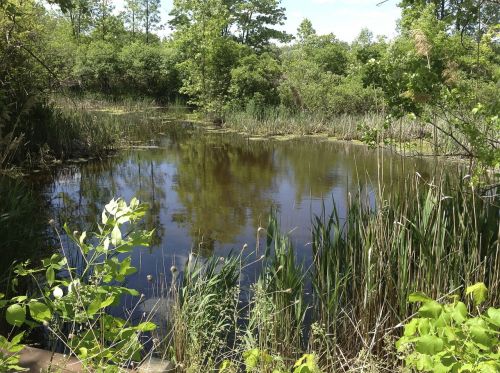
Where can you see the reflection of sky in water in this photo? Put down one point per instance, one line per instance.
(212, 191)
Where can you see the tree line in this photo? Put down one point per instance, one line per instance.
(231, 55)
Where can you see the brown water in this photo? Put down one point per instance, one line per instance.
(209, 192)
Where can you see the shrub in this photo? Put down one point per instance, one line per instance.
(447, 338)
(72, 299)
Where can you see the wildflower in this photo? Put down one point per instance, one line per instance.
(57, 292)
(173, 269)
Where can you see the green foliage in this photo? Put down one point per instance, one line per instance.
(446, 338)
(255, 79)
(203, 316)
(256, 360)
(437, 74)
(9, 353)
(77, 298)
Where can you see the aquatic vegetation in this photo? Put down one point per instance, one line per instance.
(343, 312)
(364, 269)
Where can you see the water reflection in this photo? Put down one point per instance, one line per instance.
(209, 192)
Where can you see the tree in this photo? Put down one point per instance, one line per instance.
(255, 21)
(132, 14)
(305, 30)
(79, 12)
(205, 52)
(101, 13)
(256, 79)
(428, 72)
(150, 15)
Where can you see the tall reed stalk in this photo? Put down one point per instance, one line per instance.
(436, 238)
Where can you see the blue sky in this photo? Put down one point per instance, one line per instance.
(345, 18)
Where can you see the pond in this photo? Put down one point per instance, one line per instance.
(209, 192)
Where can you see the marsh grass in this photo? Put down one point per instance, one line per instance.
(435, 237)
(406, 135)
(82, 128)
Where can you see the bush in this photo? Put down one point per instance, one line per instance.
(447, 338)
(72, 299)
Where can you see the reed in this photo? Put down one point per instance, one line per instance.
(435, 237)
(366, 267)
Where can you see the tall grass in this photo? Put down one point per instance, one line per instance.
(431, 237)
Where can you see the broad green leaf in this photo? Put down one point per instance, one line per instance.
(424, 326)
(39, 311)
(50, 275)
(15, 315)
(429, 345)
(424, 363)
(146, 326)
(430, 309)
(479, 292)
(479, 334)
(108, 301)
(418, 297)
(116, 235)
(459, 313)
(17, 339)
(411, 328)
(494, 315)
(94, 306)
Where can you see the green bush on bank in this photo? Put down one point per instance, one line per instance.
(447, 338)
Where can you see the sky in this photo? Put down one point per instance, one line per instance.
(344, 18)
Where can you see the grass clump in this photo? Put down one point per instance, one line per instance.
(364, 268)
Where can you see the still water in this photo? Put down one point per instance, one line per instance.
(209, 192)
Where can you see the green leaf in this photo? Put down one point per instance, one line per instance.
(146, 326)
(15, 315)
(17, 339)
(50, 275)
(459, 313)
(116, 235)
(479, 292)
(429, 345)
(39, 311)
(431, 309)
(94, 306)
(411, 328)
(418, 297)
(494, 315)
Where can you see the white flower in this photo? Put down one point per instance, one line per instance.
(57, 292)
